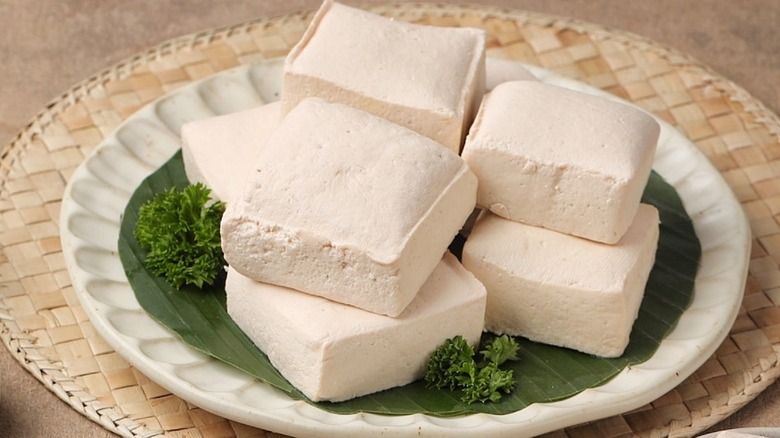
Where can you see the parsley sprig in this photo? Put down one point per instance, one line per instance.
(180, 232)
(453, 366)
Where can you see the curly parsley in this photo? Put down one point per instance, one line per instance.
(180, 232)
(453, 366)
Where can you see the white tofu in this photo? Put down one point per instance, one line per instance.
(331, 351)
(349, 206)
(217, 149)
(559, 289)
(429, 79)
(561, 159)
(499, 70)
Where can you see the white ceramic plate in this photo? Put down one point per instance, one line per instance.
(99, 190)
(766, 432)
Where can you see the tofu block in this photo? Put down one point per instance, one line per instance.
(559, 289)
(561, 159)
(331, 351)
(499, 70)
(349, 206)
(217, 149)
(429, 79)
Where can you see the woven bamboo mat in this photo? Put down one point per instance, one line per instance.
(46, 330)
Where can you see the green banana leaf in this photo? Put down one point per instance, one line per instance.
(545, 373)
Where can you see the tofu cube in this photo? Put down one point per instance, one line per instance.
(561, 159)
(429, 79)
(217, 149)
(331, 351)
(349, 206)
(559, 289)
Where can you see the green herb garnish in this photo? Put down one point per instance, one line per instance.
(453, 366)
(180, 232)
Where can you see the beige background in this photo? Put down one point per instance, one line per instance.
(46, 46)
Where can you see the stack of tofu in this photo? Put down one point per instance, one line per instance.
(343, 197)
(336, 236)
(564, 246)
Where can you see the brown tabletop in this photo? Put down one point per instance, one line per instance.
(48, 45)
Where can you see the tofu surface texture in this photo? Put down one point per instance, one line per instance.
(499, 70)
(429, 79)
(346, 205)
(559, 289)
(218, 149)
(331, 351)
(561, 159)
